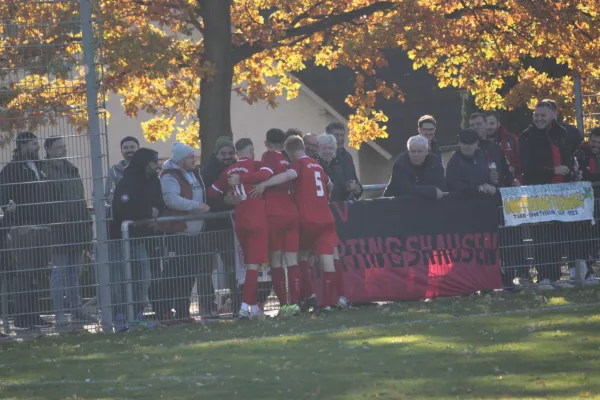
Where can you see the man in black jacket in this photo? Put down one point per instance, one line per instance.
(545, 158)
(543, 151)
(499, 168)
(137, 197)
(574, 135)
(353, 188)
(417, 172)
(468, 171)
(24, 183)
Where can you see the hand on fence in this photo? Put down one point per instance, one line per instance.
(11, 207)
(234, 180)
(561, 170)
(438, 193)
(203, 208)
(155, 213)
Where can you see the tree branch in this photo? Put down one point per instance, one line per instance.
(457, 14)
(247, 50)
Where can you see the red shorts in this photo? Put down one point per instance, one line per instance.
(318, 238)
(254, 241)
(284, 233)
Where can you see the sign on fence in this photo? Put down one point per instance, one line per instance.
(410, 249)
(564, 202)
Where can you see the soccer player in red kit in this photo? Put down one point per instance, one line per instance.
(317, 226)
(250, 219)
(282, 216)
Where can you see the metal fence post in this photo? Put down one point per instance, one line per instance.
(91, 90)
(578, 103)
(128, 275)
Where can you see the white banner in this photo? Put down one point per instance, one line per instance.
(566, 202)
(240, 268)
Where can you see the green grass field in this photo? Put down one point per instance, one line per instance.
(527, 345)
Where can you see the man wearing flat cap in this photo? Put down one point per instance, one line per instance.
(468, 171)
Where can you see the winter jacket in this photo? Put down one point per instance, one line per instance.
(589, 163)
(466, 174)
(509, 144)
(183, 193)
(494, 154)
(411, 180)
(135, 195)
(434, 148)
(210, 173)
(70, 211)
(32, 195)
(341, 170)
(542, 150)
(574, 137)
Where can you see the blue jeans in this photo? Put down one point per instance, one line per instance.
(64, 280)
(140, 276)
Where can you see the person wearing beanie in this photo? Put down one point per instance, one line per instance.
(30, 196)
(137, 197)
(468, 171)
(129, 146)
(184, 193)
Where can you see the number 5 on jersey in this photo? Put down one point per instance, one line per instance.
(319, 183)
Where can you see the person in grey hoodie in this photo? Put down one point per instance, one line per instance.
(183, 193)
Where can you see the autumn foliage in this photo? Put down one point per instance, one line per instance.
(154, 54)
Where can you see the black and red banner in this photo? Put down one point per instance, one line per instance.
(409, 249)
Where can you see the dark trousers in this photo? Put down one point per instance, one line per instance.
(31, 256)
(184, 262)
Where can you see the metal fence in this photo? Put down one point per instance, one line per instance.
(587, 102)
(52, 159)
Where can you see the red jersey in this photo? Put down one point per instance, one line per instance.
(279, 199)
(311, 191)
(251, 172)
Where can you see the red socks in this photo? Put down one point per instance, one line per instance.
(339, 271)
(306, 273)
(278, 277)
(250, 295)
(295, 282)
(329, 288)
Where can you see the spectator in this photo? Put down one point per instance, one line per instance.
(543, 150)
(588, 157)
(352, 186)
(24, 187)
(183, 193)
(507, 141)
(311, 142)
(468, 171)
(544, 157)
(426, 128)
(499, 168)
(222, 157)
(129, 146)
(417, 172)
(574, 135)
(342, 190)
(293, 132)
(137, 197)
(72, 233)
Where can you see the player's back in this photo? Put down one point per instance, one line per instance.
(243, 167)
(311, 191)
(279, 199)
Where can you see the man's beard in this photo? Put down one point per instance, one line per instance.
(128, 156)
(33, 156)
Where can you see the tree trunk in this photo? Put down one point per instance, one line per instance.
(215, 90)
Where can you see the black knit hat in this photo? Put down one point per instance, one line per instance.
(130, 139)
(50, 141)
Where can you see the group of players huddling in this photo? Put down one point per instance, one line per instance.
(284, 215)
